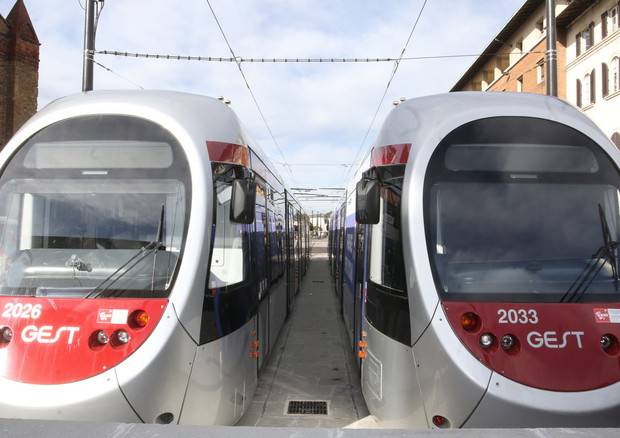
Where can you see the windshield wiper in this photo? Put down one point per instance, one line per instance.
(606, 253)
(148, 249)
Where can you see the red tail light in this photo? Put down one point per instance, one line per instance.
(440, 421)
(228, 153)
(390, 155)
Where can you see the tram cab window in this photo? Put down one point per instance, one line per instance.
(78, 200)
(228, 265)
(387, 306)
(515, 206)
(386, 255)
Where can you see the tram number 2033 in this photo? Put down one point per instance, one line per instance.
(517, 316)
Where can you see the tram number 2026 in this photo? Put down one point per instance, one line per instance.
(517, 316)
(19, 310)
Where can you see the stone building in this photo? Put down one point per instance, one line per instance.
(19, 70)
(588, 45)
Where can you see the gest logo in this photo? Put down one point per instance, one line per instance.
(552, 339)
(47, 335)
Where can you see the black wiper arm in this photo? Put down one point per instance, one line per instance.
(606, 253)
(610, 245)
(141, 254)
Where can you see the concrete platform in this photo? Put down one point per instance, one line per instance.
(310, 360)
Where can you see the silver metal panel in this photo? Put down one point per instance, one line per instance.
(58, 429)
(452, 381)
(510, 404)
(277, 311)
(95, 399)
(223, 380)
(389, 382)
(155, 376)
(263, 331)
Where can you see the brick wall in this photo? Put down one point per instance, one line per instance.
(19, 71)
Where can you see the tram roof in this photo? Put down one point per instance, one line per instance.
(203, 117)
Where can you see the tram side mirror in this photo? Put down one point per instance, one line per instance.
(367, 200)
(243, 201)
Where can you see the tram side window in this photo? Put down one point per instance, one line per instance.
(387, 306)
(227, 261)
(386, 255)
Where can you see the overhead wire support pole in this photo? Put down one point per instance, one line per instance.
(89, 45)
(552, 54)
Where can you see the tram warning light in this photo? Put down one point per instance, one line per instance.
(139, 319)
(470, 322)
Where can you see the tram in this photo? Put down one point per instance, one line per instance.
(149, 256)
(475, 257)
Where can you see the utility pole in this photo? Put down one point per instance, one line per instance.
(89, 45)
(552, 54)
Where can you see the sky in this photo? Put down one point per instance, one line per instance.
(318, 113)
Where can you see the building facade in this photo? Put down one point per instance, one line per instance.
(593, 65)
(19, 70)
(588, 49)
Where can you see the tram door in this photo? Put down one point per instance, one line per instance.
(260, 269)
(341, 257)
(360, 263)
(290, 257)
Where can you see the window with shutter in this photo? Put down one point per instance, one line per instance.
(604, 24)
(578, 94)
(593, 86)
(578, 44)
(605, 79)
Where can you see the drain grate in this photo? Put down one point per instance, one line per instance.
(307, 407)
(318, 281)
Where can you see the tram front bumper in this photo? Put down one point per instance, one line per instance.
(95, 399)
(508, 404)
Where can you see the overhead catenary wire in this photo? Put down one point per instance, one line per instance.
(108, 69)
(294, 60)
(247, 84)
(387, 87)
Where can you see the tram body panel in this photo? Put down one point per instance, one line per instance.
(223, 379)
(154, 379)
(510, 404)
(78, 400)
(452, 381)
(390, 392)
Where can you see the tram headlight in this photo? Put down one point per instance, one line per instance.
(102, 337)
(609, 344)
(507, 342)
(487, 340)
(122, 337)
(6, 334)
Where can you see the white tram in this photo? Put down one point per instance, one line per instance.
(148, 259)
(476, 260)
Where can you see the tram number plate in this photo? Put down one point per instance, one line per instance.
(19, 310)
(517, 316)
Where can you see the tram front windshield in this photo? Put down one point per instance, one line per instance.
(522, 209)
(94, 206)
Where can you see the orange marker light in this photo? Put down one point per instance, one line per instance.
(139, 319)
(470, 321)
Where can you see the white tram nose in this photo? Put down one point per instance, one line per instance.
(96, 399)
(509, 404)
